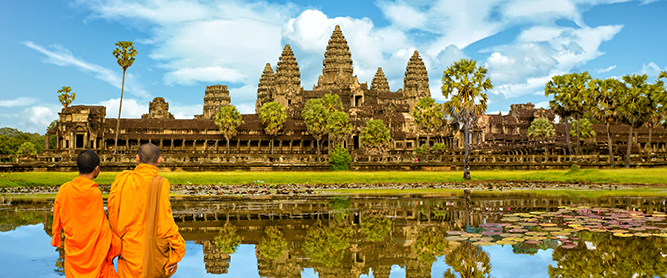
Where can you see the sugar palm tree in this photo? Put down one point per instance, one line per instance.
(338, 125)
(606, 97)
(429, 116)
(315, 116)
(124, 54)
(469, 261)
(228, 119)
(658, 110)
(464, 84)
(375, 136)
(541, 129)
(635, 105)
(331, 103)
(65, 96)
(570, 91)
(273, 116)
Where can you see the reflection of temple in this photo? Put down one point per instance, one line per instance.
(410, 217)
(216, 262)
(200, 220)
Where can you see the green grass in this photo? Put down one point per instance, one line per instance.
(651, 176)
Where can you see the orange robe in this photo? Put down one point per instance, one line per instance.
(90, 245)
(128, 192)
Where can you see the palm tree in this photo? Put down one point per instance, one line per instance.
(65, 97)
(429, 116)
(228, 119)
(273, 115)
(469, 261)
(658, 111)
(466, 84)
(571, 91)
(338, 125)
(124, 54)
(375, 136)
(541, 129)
(331, 103)
(634, 105)
(606, 97)
(315, 116)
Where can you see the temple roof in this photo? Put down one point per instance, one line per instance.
(380, 83)
(287, 70)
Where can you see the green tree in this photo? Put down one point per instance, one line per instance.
(635, 105)
(376, 227)
(429, 117)
(339, 159)
(464, 84)
(227, 239)
(272, 246)
(325, 245)
(571, 98)
(52, 137)
(124, 54)
(26, 148)
(331, 103)
(228, 119)
(66, 96)
(315, 116)
(541, 129)
(585, 129)
(273, 116)
(606, 98)
(338, 125)
(375, 137)
(469, 261)
(658, 109)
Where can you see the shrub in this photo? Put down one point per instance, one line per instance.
(421, 149)
(438, 147)
(339, 159)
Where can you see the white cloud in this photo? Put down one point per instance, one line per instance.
(652, 70)
(17, 102)
(58, 55)
(186, 111)
(205, 41)
(131, 108)
(610, 68)
(37, 118)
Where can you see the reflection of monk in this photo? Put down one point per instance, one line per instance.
(127, 214)
(90, 245)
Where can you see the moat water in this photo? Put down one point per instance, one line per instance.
(501, 235)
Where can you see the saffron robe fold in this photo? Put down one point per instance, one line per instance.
(90, 245)
(127, 217)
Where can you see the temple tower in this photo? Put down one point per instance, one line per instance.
(215, 97)
(158, 109)
(337, 65)
(415, 83)
(288, 79)
(380, 83)
(266, 89)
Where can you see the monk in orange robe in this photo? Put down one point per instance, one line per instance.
(127, 214)
(90, 245)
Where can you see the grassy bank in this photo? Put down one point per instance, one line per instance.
(652, 176)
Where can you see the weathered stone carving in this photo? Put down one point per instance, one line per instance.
(215, 96)
(288, 79)
(266, 89)
(380, 83)
(158, 109)
(337, 65)
(415, 83)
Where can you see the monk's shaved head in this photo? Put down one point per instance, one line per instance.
(87, 161)
(149, 153)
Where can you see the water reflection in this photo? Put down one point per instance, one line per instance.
(355, 236)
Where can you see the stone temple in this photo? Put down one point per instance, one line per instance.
(86, 127)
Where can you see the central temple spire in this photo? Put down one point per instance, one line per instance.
(337, 65)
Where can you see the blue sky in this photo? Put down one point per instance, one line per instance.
(186, 45)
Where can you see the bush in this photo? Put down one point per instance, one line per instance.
(339, 159)
(421, 149)
(439, 147)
